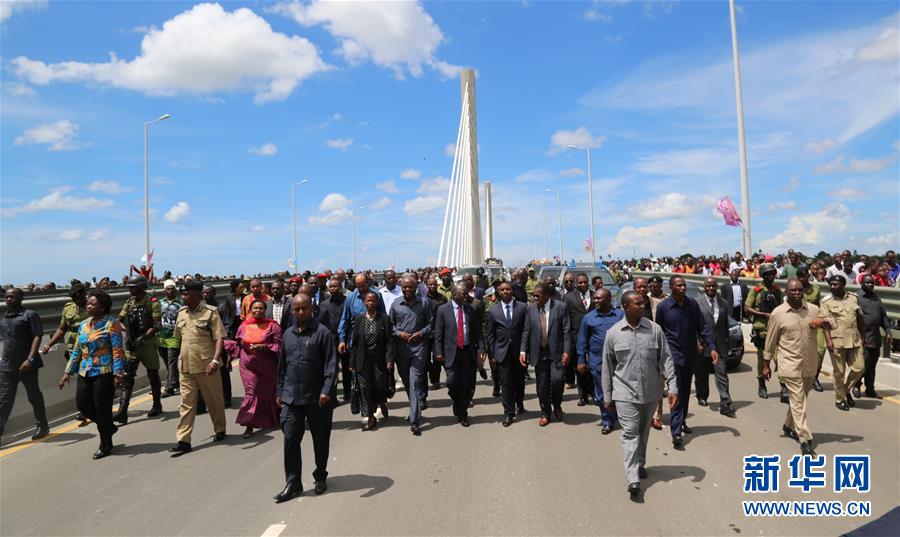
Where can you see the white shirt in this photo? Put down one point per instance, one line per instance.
(714, 304)
(736, 291)
(735, 265)
(832, 270)
(390, 296)
(456, 313)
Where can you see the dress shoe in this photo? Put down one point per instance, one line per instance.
(842, 406)
(790, 433)
(424, 404)
(320, 487)
(726, 410)
(80, 417)
(100, 453)
(685, 429)
(482, 373)
(817, 385)
(702, 402)
(543, 421)
(507, 420)
(657, 424)
(634, 489)
(155, 410)
(416, 431)
(166, 393)
(180, 449)
(762, 391)
(606, 429)
(520, 409)
(219, 436)
(496, 392)
(850, 402)
(677, 442)
(290, 491)
(370, 424)
(121, 417)
(642, 473)
(873, 394)
(856, 392)
(41, 432)
(806, 448)
(464, 421)
(558, 414)
(570, 386)
(783, 397)
(582, 402)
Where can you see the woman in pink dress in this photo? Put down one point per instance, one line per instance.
(257, 345)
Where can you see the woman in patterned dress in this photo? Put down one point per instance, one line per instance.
(372, 358)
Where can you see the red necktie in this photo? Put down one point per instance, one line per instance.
(460, 331)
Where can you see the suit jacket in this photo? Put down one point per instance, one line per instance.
(577, 311)
(502, 338)
(726, 292)
(718, 328)
(231, 317)
(519, 292)
(559, 332)
(286, 320)
(384, 348)
(445, 331)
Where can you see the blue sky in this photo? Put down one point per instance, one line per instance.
(363, 99)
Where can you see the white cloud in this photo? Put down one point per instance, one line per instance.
(9, 7)
(810, 230)
(178, 212)
(203, 50)
(671, 205)
(258, 228)
(388, 186)
(645, 239)
(782, 206)
(400, 36)
(436, 185)
(265, 150)
(883, 48)
(792, 184)
(333, 202)
(98, 235)
(57, 200)
(110, 187)
(60, 136)
(450, 149)
(17, 89)
(410, 173)
(539, 175)
(581, 137)
(424, 204)
(163, 181)
(593, 14)
(333, 209)
(76, 234)
(847, 193)
(841, 164)
(821, 146)
(692, 162)
(888, 240)
(380, 203)
(342, 144)
(571, 172)
(337, 116)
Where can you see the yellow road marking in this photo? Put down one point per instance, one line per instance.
(62, 429)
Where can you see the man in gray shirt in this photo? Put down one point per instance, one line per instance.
(411, 322)
(635, 354)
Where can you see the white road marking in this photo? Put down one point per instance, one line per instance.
(274, 530)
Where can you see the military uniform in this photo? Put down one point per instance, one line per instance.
(813, 295)
(763, 299)
(197, 331)
(842, 314)
(72, 316)
(446, 291)
(137, 316)
(530, 285)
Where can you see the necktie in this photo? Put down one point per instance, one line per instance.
(509, 312)
(584, 300)
(544, 338)
(460, 330)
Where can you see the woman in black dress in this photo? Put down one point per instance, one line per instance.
(372, 358)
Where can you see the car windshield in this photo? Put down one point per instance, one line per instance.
(555, 272)
(466, 270)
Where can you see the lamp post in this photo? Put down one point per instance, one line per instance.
(147, 184)
(294, 224)
(590, 198)
(742, 144)
(559, 219)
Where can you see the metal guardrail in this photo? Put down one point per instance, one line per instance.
(890, 296)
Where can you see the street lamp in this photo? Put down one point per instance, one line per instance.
(559, 219)
(294, 225)
(353, 223)
(147, 184)
(590, 198)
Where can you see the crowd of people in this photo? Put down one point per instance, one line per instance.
(305, 343)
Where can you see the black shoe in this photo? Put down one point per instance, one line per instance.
(520, 409)
(856, 393)
(482, 373)
(784, 398)
(606, 429)
(726, 410)
(290, 491)
(685, 429)
(762, 392)
(806, 448)
(155, 410)
(850, 402)
(842, 406)
(121, 417)
(320, 487)
(180, 449)
(219, 436)
(416, 431)
(464, 422)
(100, 453)
(642, 473)
(702, 402)
(790, 433)
(634, 489)
(435, 386)
(80, 417)
(817, 385)
(677, 442)
(41, 432)
(167, 393)
(582, 402)
(496, 392)
(424, 404)
(507, 420)
(873, 394)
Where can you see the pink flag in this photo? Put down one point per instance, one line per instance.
(732, 218)
(588, 245)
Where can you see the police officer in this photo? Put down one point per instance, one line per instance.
(845, 340)
(140, 317)
(73, 313)
(199, 329)
(761, 302)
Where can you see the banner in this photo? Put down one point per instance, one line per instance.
(729, 212)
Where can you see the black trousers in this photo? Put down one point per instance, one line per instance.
(9, 384)
(570, 373)
(346, 375)
(872, 354)
(94, 399)
(549, 375)
(461, 380)
(512, 384)
(434, 371)
(585, 382)
(294, 419)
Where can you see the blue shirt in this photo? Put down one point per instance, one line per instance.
(683, 324)
(353, 308)
(592, 334)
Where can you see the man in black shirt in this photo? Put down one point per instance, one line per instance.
(307, 374)
(329, 314)
(874, 319)
(22, 332)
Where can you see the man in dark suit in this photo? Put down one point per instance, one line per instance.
(715, 313)
(503, 340)
(735, 294)
(278, 307)
(457, 338)
(547, 343)
(578, 300)
(518, 285)
(329, 315)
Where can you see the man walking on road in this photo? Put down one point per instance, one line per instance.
(503, 339)
(411, 321)
(635, 354)
(591, 337)
(761, 301)
(845, 340)
(874, 319)
(547, 343)
(715, 312)
(22, 331)
(457, 340)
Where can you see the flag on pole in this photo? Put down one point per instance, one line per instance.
(292, 263)
(588, 245)
(148, 259)
(729, 212)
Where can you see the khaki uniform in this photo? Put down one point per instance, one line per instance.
(813, 295)
(848, 352)
(72, 317)
(198, 330)
(146, 353)
(790, 337)
(530, 284)
(446, 291)
(761, 298)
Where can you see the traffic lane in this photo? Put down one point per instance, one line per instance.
(522, 480)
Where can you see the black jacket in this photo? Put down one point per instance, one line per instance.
(503, 339)
(384, 348)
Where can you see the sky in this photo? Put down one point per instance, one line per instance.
(363, 100)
